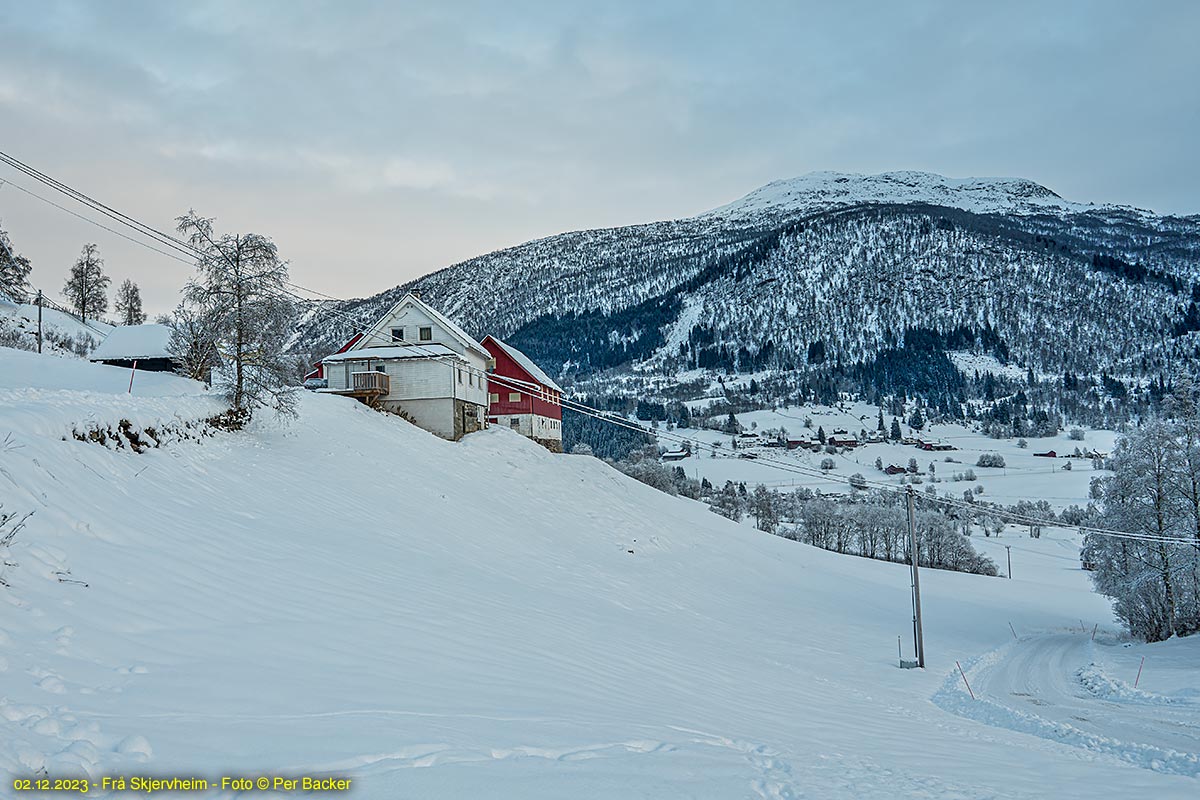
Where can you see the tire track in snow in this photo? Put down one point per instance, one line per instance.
(1034, 686)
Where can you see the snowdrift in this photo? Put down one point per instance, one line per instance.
(348, 595)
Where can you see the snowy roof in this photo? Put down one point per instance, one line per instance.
(526, 364)
(396, 351)
(127, 342)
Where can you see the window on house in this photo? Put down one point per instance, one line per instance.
(397, 334)
(515, 422)
(460, 376)
(494, 397)
(514, 397)
(379, 368)
(426, 334)
(471, 378)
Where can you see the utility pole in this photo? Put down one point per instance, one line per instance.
(39, 305)
(1008, 549)
(918, 635)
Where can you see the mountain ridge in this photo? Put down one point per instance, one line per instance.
(846, 265)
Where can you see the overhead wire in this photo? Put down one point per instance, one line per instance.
(190, 254)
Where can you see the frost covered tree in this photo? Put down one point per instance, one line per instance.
(193, 342)
(764, 507)
(1154, 492)
(727, 502)
(14, 271)
(86, 288)
(240, 291)
(129, 304)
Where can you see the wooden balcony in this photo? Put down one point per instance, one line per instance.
(368, 386)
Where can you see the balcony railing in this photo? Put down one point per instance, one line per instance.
(370, 382)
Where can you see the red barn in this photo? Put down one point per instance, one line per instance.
(318, 373)
(523, 397)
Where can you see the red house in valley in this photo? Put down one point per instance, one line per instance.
(523, 397)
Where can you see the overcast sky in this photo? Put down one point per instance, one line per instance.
(379, 141)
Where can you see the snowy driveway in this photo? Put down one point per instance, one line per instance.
(1052, 686)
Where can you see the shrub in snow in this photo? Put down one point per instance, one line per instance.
(990, 460)
(827, 464)
(1076, 434)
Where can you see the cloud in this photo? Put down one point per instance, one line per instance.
(464, 127)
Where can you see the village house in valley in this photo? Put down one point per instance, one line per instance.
(523, 397)
(417, 363)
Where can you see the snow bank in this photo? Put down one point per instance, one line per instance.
(55, 396)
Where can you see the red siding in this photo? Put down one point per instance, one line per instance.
(319, 372)
(506, 367)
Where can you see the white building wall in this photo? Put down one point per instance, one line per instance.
(435, 415)
(533, 426)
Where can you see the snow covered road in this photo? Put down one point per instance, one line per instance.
(1054, 685)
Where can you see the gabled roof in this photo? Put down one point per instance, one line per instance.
(525, 363)
(427, 350)
(376, 334)
(127, 342)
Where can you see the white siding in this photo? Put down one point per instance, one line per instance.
(533, 426)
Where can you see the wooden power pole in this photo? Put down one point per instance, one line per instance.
(918, 635)
(39, 305)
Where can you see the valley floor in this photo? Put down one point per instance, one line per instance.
(348, 595)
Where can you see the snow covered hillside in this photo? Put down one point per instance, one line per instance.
(822, 190)
(832, 272)
(348, 595)
(60, 332)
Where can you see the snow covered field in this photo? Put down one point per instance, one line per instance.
(349, 595)
(1024, 476)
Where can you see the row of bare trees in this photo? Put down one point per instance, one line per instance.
(86, 287)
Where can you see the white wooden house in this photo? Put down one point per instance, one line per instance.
(417, 363)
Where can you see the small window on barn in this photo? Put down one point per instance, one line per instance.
(397, 334)
(515, 422)
(426, 334)
(514, 397)
(494, 397)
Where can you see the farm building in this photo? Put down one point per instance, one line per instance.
(522, 396)
(141, 347)
(415, 362)
(1047, 454)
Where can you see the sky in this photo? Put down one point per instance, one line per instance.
(376, 142)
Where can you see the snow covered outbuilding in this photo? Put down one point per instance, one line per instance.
(417, 363)
(523, 397)
(141, 347)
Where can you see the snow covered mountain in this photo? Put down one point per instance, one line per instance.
(300, 601)
(837, 269)
(817, 191)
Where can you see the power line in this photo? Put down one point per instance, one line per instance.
(190, 250)
(91, 221)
